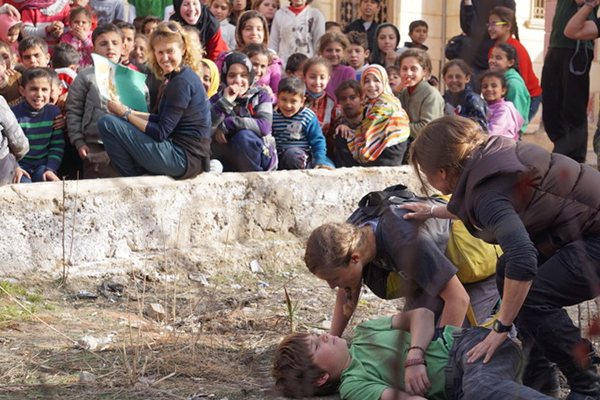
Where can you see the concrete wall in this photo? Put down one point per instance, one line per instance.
(111, 226)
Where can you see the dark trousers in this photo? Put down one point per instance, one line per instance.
(496, 380)
(569, 277)
(243, 152)
(565, 101)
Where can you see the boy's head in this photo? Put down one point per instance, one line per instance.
(65, 56)
(357, 52)
(349, 96)
(299, 369)
(108, 42)
(369, 9)
(149, 25)
(36, 87)
(56, 89)
(418, 31)
(394, 78)
(291, 92)
(332, 26)
(294, 64)
(128, 30)
(33, 51)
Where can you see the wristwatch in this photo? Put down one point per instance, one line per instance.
(126, 115)
(499, 328)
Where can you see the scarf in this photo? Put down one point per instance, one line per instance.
(46, 7)
(385, 122)
(214, 77)
(208, 25)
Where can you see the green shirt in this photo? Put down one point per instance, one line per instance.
(150, 7)
(565, 9)
(378, 354)
(518, 94)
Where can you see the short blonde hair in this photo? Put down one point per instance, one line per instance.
(172, 32)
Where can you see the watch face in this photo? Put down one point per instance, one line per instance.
(498, 327)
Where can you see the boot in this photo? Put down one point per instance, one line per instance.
(543, 378)
(584, 384)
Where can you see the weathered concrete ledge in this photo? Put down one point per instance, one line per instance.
(225, 220)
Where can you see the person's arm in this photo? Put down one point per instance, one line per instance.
(10, 10)
(56, 147)
(345, 304)
(467, 17)
(274, 34)
(75, 106)
(316, 140)
(496, 213)
(17, 141)
(29, 28)
(578, 27)
(215, 46)
(420, 322)
(260, 123)
(456, 302)
(422, 211)
(136, 118)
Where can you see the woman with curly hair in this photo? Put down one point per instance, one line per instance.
(176, 141)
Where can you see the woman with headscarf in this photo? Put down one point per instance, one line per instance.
(381, 139)
(242, 115)
(196, 14)
(387, 39)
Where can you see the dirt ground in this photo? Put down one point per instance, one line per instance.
(216, 340)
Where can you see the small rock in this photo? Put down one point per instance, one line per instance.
(86, 377)
(236, 286)
(155, 311)
(261, 293)
(82, 294)
(88, 343)
(326, 325)
(203, 279)
(255, 267)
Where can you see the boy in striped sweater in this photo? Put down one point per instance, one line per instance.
(36, 116)
(300, 141)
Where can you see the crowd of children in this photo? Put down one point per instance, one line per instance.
(360, 100)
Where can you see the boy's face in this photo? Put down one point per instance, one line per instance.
(290, 103)
(330, 353)
(150, 27)
(34, 57)
(356, 55)
(128, 40)
(37, 92)
(395, 82)
(55, 93)
(140, 50)
(368, 9)
(350, 102)
(109, 45)
(13, 33)
(419, 35)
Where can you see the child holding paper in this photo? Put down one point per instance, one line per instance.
(85, 106)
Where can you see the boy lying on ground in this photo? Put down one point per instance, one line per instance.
(401, 358)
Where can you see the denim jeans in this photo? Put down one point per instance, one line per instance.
(134, 153)
(569, 277)
(535, 105)
(496, 380)
(35, 173)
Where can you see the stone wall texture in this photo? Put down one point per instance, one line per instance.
(115, 226)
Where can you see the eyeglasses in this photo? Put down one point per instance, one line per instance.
(173, 28)
(496, 24)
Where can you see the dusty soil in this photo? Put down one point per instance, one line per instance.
(216, 340)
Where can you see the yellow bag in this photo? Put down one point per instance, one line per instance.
(474, 258)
